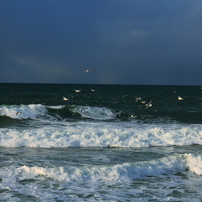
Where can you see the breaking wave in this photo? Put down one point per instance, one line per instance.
(115, 173)
(101, 134)
(35, 111)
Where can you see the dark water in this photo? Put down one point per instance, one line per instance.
(119, 98)
(104, 143)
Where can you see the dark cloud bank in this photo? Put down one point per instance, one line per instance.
(125, 42)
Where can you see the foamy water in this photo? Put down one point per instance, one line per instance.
(100, 146)
(102, 135)
(41, 180)
(31, 111)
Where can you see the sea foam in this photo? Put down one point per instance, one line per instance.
(31, 111)
(118, 173)
(101, 134)
(99, 113)
(38, 111)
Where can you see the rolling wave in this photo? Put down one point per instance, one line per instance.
(38, 111)
(101, 134)
(124, 172)
(72, 112)
(31, 111)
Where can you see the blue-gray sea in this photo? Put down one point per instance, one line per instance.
(68, 142)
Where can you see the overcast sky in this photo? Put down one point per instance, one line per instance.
(124, 41)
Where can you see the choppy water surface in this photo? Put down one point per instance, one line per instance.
(112, 143)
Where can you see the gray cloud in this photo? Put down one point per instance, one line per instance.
(126, 42)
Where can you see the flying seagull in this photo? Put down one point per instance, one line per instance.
(180, 98)
(64, 98)
(87, 70)
(138, 99)
(148, 105)
(77, 91)
(93, 90)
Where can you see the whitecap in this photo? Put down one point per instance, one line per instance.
(97, 113)
(23, 111)
(56, 107)
(114, 173)
(101, 135)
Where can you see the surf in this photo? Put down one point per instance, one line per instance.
(101, 134)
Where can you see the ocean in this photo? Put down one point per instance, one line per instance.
(68, 142)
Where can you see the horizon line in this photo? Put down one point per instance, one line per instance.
(50, 83)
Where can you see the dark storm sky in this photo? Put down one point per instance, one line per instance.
(124, 41)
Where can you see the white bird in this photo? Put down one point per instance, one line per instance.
(87, 70)
(77, 90)
(180, 98)
(133, 116)
(18, 113)
(93, 90)
(148, 105)
(64, 98)
(138, 98)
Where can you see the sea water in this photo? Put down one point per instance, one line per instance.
(104, 143)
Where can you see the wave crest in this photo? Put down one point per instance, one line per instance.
(31, 111)
(112, 173)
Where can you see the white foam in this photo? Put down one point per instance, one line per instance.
(23, 111)
(120, 172)
(34, 111)
(101, 135)
(56, 107)
(97, 113)
(194, 162)
(38, 181)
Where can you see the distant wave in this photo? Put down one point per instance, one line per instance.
(96, 113)
(34, 111)
(72, 112)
